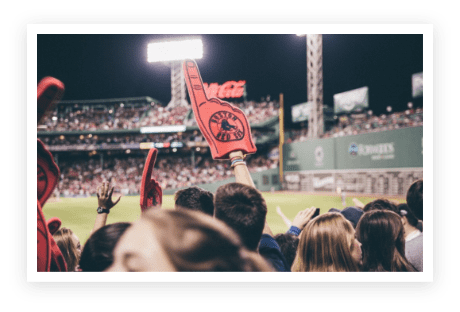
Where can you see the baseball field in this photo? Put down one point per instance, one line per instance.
(79, 214)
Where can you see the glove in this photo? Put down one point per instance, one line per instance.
(47, 173)
(225, 127)
(49, 91)
(151, 193)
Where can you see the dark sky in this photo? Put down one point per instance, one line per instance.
(113, 66)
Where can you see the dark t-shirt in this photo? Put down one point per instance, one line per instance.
(271, 251)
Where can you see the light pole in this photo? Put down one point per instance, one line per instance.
(173, 53)
(315, 84)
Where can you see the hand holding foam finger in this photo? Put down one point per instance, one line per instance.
(151, 192)
(225, 127)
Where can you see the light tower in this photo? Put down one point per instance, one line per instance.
(172, 53)
(315, 84)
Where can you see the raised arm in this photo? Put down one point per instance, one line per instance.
(105, 203)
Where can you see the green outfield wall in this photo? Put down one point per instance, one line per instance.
(381, 163)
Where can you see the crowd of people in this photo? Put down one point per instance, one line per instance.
(365, 123)
(110, 117)
(80, 177)
(228, 231)
(131, 138)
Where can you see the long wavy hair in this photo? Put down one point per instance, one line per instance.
(325, 245)
(381, 234)
(64, 239)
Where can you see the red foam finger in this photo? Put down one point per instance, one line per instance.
(225, 127)
(47, 173)
(43, 242)
(53, 225)
(49, 91)
(151, 192)
(194, 83)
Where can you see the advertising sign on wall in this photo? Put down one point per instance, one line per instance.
(352, 100)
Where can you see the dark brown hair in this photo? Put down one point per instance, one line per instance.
(380, 204)
(381, 234)
(195, 198)
(243, 209)
(414, 198)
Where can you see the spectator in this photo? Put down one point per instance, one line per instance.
(70, 247)
(380, 204)
(414, 199)
(352, 214)
(413, 237)
(195, 198)
(381, 233)
(97, 253)
(288, 244)
(243, 209)
(328, 244)
(182, 241)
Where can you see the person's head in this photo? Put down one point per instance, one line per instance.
(328, 244)
(182, 241)
(288, 244)
(381, 234)
(380, 204)
(70, 247)
(243, 209)
(352, 214)
(407, 216)
(414, 199)
(97, 253)
(195, 198)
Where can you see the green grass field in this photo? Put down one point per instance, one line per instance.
(79, 214)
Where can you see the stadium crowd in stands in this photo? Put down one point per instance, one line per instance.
(365, 123)
(89, 118)
(81, 177)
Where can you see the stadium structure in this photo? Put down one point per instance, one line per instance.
(108, 139)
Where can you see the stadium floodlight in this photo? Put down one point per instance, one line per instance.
(172, 53)
(174, 50)
(389, 109)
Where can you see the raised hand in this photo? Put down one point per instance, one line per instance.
(151, 192)
(303, 216)
(104, 196)
(225, 127)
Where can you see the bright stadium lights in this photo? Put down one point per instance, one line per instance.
(409, 105)
(174, 50)
(389, 109)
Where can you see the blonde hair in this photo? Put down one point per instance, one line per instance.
(325, 245)
(64, 240)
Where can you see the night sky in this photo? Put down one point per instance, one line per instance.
(114, 66)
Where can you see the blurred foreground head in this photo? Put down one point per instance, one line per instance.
(328, 244)
(182, 241)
